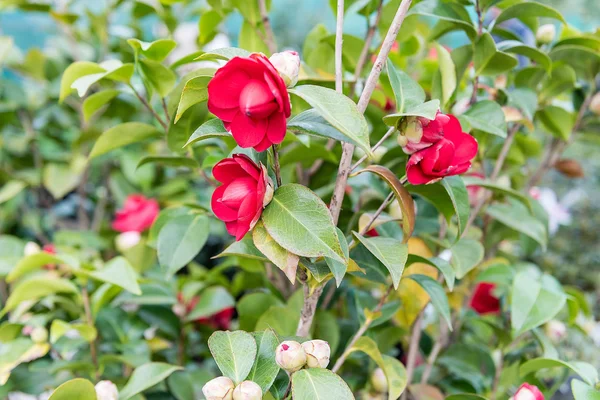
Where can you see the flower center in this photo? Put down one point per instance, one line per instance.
(256, 100)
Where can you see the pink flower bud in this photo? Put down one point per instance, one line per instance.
(317, 353)
(247, 390)
(556, 330)
(106, 390)
(545, 34)
(379, 381)
(287, 64)
(528, 392)
(39, 334)
(595, 104)
(290, 355)
(220, 388)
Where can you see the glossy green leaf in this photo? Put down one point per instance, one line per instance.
(563, 78)
(213, 300)
(450, 12)
(96, 101)
(534, 54)
(265, 368)
(487, 116)
(74, 72)
(319, 384)
(146, 376)
(119, 272)
(157, 50)
(339, 111)
(426, 110)
(283, 259)
(528, 9)
(558, 121)
(436, 293)
(312, 123)
(195, 91)
(581, 391)
(10, 190)
(498, 188)
(225, 53)
(161, 78)
(234, 353)
(459, 197)
(444, 81)
(180, 240)
(391, 252)
(181, 385)
(60, 179)
(243, 248)
(213, 128)
(113, 70)
(35, 262)
(586, 371)
(466, 255)
(75, 389)
(442, 265)
(301, 223)
(337, 268)
(169, 161)
(60, 328)
(488, 60)
(36, 288)
(122, 135)
(516, 216)
(407, 91)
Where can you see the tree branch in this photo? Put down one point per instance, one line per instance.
(375, 147)
(149, 107)
(270, 37)
(276, 166)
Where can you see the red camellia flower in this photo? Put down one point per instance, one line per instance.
(475, 192)
(220, 320)
(483, 300)
(528, 392)
(138, 214)
(246, 190)
(450, 155)
(251, 99)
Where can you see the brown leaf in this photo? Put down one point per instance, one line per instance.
(569, 167)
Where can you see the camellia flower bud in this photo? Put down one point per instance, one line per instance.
(127, 240)
(39, 334)
(287, 64)
(317, 353)
(595, 104)
(545, 34)
(31, 248)
(528, 392)
(106, 390)
(556, 330)
(247, 390)
(220, 388)
(379, 381)
(290, 355)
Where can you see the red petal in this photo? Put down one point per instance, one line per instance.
(416, 176)
(265, 144)
(247, 165)
(232, 227)
(438, 158)
(222, 212)
(256, 100)
(248, 132)
(277, 128)
(237, 191)
(224, 114)
(276, 84)
(247, 209)
(227, 170)
(466, 150)
(225, 88)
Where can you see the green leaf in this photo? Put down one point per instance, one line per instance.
(391, 252)
(563, 79)
(516, 216)
(535, 300)
(466, 255)
(558, 121)
(474, 181)
(75, 389)
(454, 13)
(213, 128)
(426, 110)
(581, 391)
(170, 161)
(157, 50)
(119, 272)
(445, 78)
(319, 384)
(96, 101)
(586, 371)
(195, 91)
(74, 72)
(393, 369)
(312, 123)
(529, 9)
(408, 93)
(459, 197)
(439, 263)
(114, 70)
(122, 135)
(60, 328)
(488, 60)
(234, 353)
(10, 190)
(301, 223)
(286, 261)
(249, 39)
(60, 179)
(243, 248)
(339, 111)
(251, 306)
(36, 288)
(213, 300)
(265, 368)
(36, 261)
(181, 385)
(180, 239)
(514, 46)
(225, 53)
(161, 78)
(146, 376)
(487, 116)
(337, 268)
(436, 293)
(209, 21)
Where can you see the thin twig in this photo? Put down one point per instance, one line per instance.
(276, 165)
(90, 321)
(165, 109)
(348, 148)
(375, 147)
(270, 37)
(497, 377)
(149, 107)
(339, 40)
(361, 331)
(440, 343)
(479, 32)
(413, 347)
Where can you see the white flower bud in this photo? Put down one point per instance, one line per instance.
(106, 390)
(247, 390)
(556, 330)
(379, 381)
(220, 388)
(31, 248)
(179, 310)
(595, 104)
(317, 353)
(290, 356)
(127, 240)
(288, 66)
(39, 334)
(545, 34)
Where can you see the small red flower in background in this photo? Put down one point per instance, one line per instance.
(483, 300)
(450, 155)
(246, 190)
(49, 248)
(138, 214)
(220, 320)
(475, 191)
(251, 99)
(528, 392)
(372, 232)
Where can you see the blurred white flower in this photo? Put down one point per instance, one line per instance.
(106, 390)
(545, 33)
(379, 381)
(556, 330)
(21, 396)
(127, 240)
(31, 248)
(558, 211)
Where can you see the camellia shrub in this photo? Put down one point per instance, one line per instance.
(353, 217)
